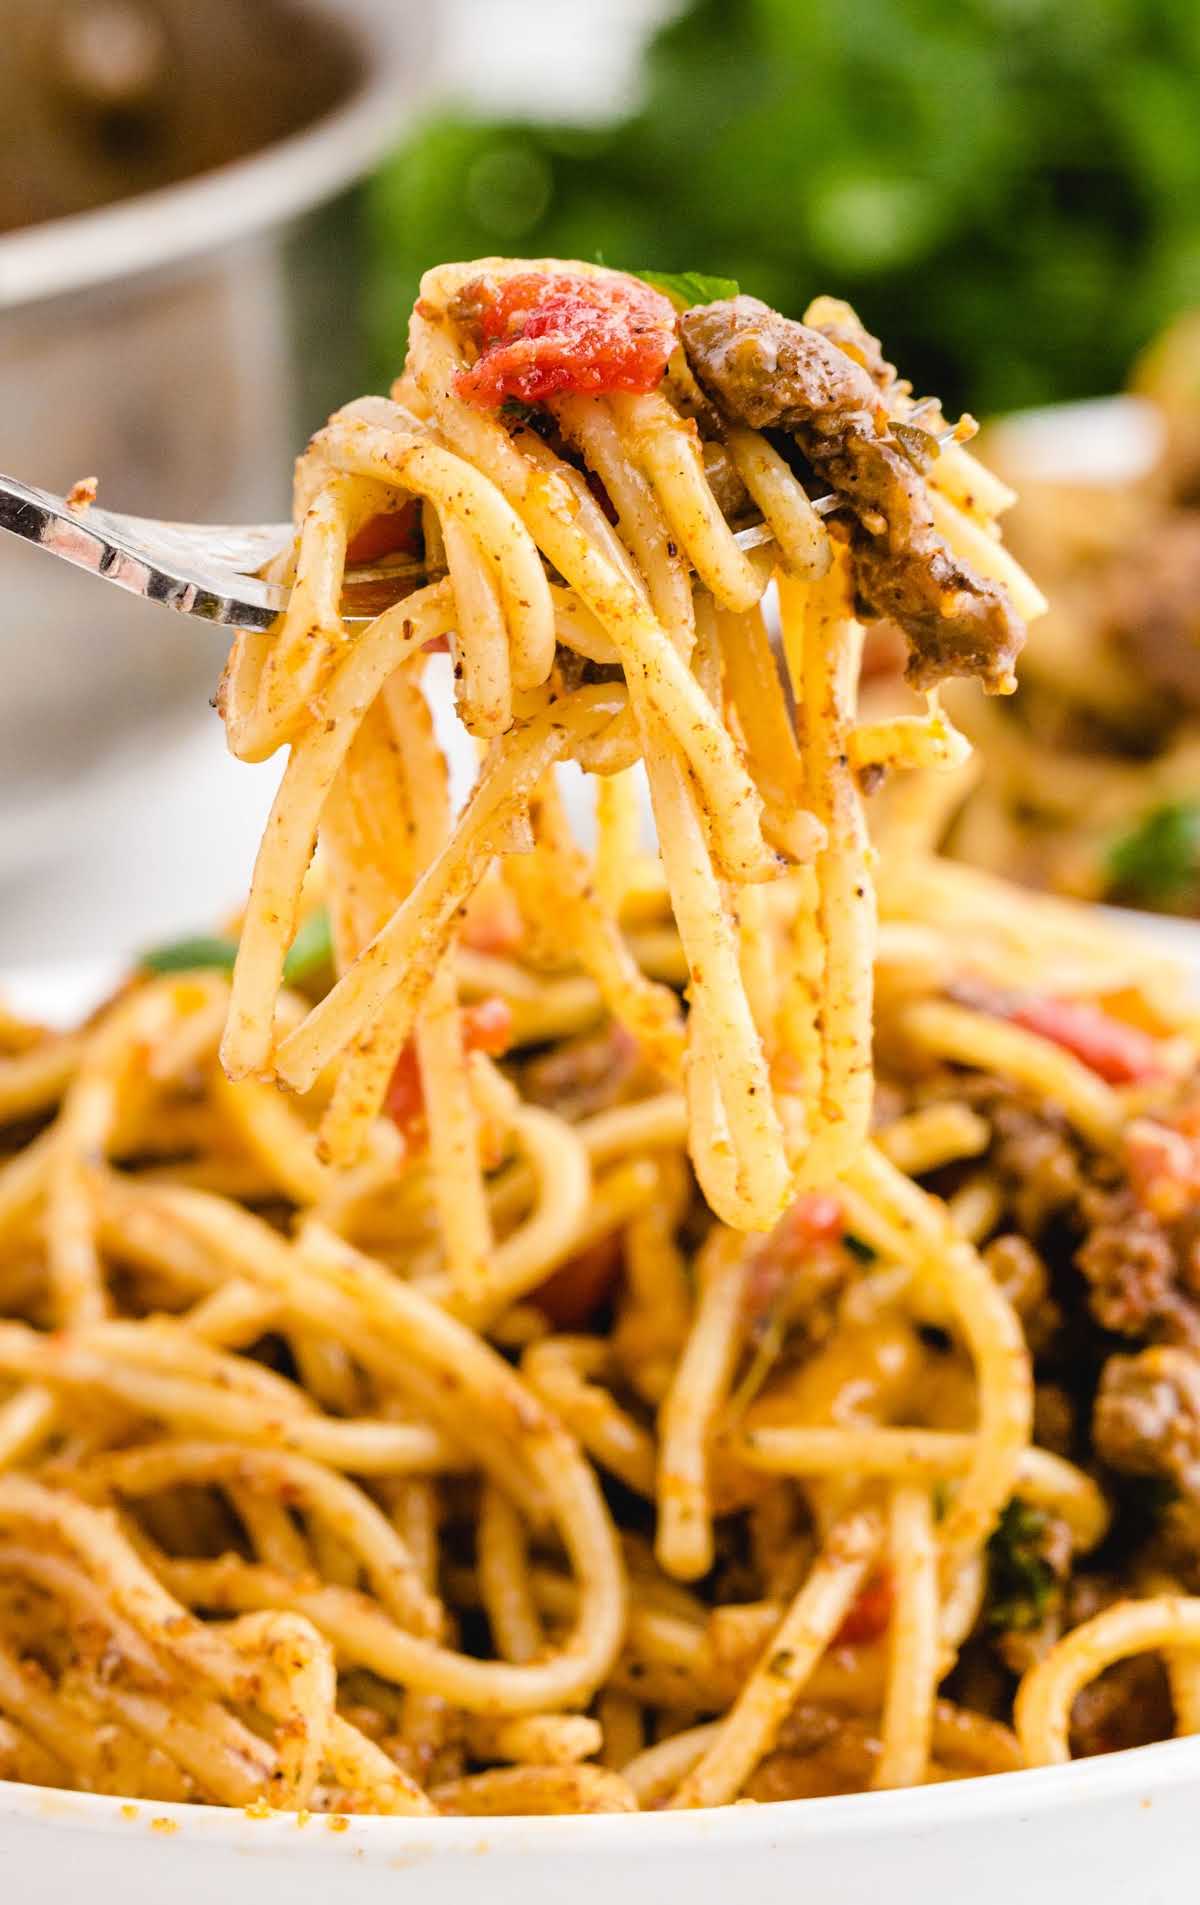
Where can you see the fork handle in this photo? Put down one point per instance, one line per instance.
(109, 545)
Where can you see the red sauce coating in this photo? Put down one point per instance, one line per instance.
(1122, 1054)
(869, 1614)
(812, 1224)
(392, 532)
(585, 1283)
(486, 1027)
(543, 334)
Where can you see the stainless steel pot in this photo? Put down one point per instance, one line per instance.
(179, 341)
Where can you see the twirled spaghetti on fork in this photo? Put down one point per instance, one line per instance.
(577, 1388)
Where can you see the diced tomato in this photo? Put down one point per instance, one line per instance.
(809, 1228)
(571, 1297)
(493, 922)
(546, 333)
(869, 1615)
(404, 1102)
(1119, 1053)
(393, 532)
(1164, 1168)
(486, 1027)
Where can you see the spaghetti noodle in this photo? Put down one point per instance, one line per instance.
(608, 1374)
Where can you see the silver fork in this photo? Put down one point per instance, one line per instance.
(209, 570)
(212, 570)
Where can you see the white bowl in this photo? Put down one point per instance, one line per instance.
(1124, 1830)
(1119, 1830)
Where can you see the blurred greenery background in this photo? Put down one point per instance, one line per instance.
(1009, 190)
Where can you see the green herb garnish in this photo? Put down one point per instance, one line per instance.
(1158, 862)
(1021, 1581)
(312, 950)
(201, 952)
(310, 956)
(686, 288)
(518, 411)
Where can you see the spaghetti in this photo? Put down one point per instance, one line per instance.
(629, 1363)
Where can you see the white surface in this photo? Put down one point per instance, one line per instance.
(1119, 1831)
(174, 854)
(570, 59)
(1102, 441)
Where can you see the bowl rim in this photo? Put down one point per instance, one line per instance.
(235, 201)
(1139, 1776)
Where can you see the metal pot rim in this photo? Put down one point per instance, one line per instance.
(234, 201)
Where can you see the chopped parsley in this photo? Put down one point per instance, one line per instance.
(202, 952)
(686, 288)
(1022, 1583)
(310, 958)
(1158, 861)
(311, 955)
(519, 412)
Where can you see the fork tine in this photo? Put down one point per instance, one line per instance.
(209, 570)
(141, 556)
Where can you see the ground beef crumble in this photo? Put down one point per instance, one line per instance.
(825, 390)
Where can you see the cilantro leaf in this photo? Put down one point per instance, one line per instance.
(200, 952)
(1158, 861)
(310, 956)
(311, 950)
(686, 288)
(518, 411)
(1022, 1582)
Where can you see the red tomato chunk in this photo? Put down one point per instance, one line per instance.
(809, 1229)
(571, 1297)
(1122, 1054)
(869, 1614)
(393, 532)
(543, 334)
(486, 1027)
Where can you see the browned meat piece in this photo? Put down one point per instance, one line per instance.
(1053, 1419)
(772, 372)
(1175, 1548)
(1147, 1415)
(1138, 1270)
(1154, 606)
(1129, 1705)
(841, 324)
(1130, 1263)
(1033, 1152)
(1022, 1276)
(584, 1075)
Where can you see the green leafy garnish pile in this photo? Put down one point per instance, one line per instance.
(1157, 864)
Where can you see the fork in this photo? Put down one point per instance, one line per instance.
(209, 570)
(212, 570)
